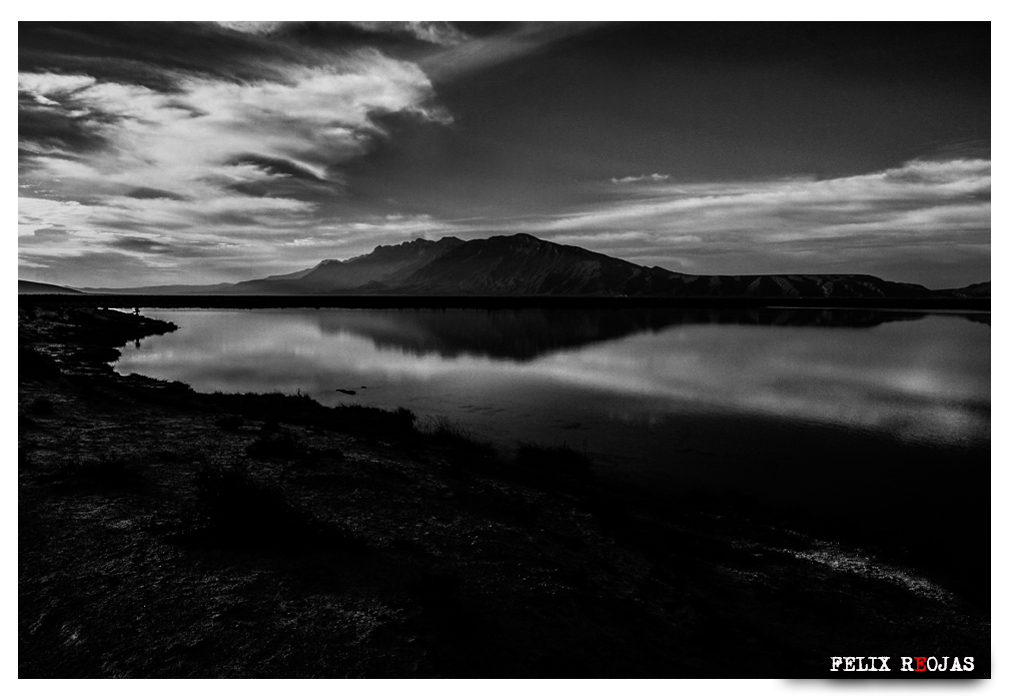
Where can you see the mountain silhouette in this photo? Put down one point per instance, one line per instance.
(523, 265)
(29, 287)
(387, 265)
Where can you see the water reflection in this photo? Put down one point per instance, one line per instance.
(562, 375)
(529, 333)
(877, 420)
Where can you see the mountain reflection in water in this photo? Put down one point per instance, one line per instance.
(557, 375)
(529, 333)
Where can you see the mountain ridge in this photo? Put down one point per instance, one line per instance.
(30, 287)
(524, 265)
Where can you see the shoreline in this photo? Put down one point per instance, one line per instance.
(165, 532)
(237, 301)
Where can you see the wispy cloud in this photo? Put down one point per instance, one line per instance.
(317, 119)
(482, 53)
(837, 223)
(258, 28)
(214, 160)
(441, 33)
(656, 177)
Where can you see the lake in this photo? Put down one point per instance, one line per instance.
(865, 416)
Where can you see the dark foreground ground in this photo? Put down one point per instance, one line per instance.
(167, 533)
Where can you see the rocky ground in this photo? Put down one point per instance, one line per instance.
(166, 533)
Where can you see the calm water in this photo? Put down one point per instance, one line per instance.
(869, 426)
(756, 400)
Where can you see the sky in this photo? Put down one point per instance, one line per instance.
(166, 153)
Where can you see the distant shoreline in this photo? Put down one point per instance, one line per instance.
(166, 301)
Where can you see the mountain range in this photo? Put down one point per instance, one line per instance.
(523, 265)
(29, 287)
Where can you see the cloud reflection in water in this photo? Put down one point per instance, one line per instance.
(926, 379)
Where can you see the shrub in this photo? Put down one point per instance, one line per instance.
(444, 432)
(301, 409)
(444, 428)
(368, 420)
(403, 418)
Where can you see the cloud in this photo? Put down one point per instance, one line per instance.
(482, 53)
(258, 28)
(441, 33)
(316, 119)
(41, 85)
(750, 226)
(357, 237)
(212, 161)
(240, 238)
(152, 193)
(656, 177)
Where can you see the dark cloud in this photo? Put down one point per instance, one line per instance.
(139, 245)
(277, 166)
(152, 193)
(152, 54)
(392, 38)
(42, 236)
(56, 128)
(156, 247)
(133, 225)
(229, 218)
(98, 265)
(158, 54)
(970, 148)
(120, 70)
